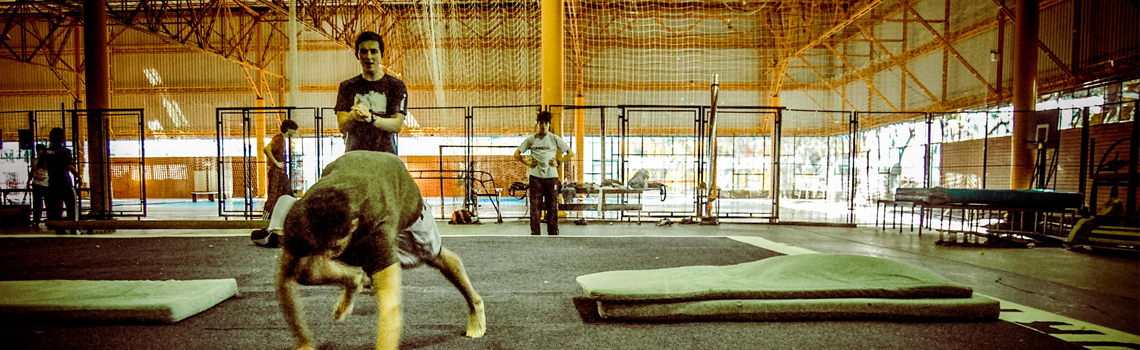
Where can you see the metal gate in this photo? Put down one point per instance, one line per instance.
(665, 140)
(896, 154)
(488, 129)
(124, 170)
(237, 163)
(816, 172)
(746, 140)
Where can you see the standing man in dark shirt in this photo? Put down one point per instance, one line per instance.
(370, 107)
(61, 190)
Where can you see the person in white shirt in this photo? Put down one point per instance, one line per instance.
(547, 152)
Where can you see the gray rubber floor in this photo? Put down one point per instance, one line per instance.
(527, 284)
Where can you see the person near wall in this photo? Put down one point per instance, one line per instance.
(546, 154)
(38, 181)
(61, 188)
(279, 182)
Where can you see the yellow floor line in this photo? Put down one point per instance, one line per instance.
(1063, 324)
(1023, 315)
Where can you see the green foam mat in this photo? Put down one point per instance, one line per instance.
(806, 276)
(163, 302)
(976, 308)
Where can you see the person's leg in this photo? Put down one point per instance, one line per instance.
(277, 182)
(550, 192)
(280, 211)
(451, 266)
(37, 204)
(421, 243)
(69, 203)
(535, 192)
(54, 204)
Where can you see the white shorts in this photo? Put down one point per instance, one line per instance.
(420, 241)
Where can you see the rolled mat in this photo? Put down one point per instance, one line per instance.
(163, 302)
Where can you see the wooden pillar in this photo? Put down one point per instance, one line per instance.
(259, 120)
(98, 77)
(579, 136)
(1024, 91)
(552, 57)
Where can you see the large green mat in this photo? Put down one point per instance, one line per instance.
(111, 301)
(790, 287)
(975, 308)
(805, 276)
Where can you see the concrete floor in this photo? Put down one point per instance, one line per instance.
(1098, 287)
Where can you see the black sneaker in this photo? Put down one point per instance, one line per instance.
(264, 238)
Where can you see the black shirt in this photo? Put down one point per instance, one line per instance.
(384, 98)
(58, 158)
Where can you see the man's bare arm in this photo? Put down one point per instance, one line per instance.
(386, 284)
(268, 150)
(525, 160)
(343, 117)
(566, 158)
(392, 124)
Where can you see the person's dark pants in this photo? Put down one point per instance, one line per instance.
(39, 196)
(543, 194)
(279, 185)
(58, 199)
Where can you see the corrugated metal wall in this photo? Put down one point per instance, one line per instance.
(1109, 30)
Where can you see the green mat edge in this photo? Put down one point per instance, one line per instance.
(946, 289)
(166, 312)
(975, 308)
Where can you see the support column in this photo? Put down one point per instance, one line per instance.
(579, 136)
(552, 57)
(1024, 91)
(77, 48)
(259, 120)
(259, 136)
(293, 69)
(98, 94)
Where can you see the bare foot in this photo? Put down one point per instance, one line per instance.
(477, 321)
